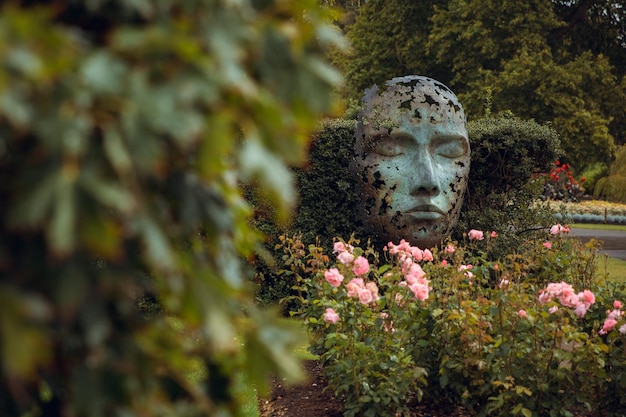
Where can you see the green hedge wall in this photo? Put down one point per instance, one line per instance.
(503, 191)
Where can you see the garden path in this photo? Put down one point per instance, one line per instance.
(614, 241)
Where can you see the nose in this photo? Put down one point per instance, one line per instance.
(424, 181)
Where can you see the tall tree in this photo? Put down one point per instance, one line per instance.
(501, 51)
(388, 39)
(126, 131)
(558, 62)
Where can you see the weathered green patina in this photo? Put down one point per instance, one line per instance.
(412, 158)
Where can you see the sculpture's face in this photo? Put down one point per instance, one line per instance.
(413, 158)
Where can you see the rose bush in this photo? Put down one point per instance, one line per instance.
(541, 333)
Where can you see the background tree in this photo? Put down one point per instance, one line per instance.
(497, 56)
(388, 39)
(126, 131)
(613, 186)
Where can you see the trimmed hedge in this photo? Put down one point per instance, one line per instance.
(503, 189)
(327, 189)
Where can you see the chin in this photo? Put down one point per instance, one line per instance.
(426, 236)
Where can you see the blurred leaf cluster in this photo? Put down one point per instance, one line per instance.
(127, 129)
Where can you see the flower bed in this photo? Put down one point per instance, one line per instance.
(536, 333)
(591, 211)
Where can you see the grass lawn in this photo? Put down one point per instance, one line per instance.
(599, 226)
(615, 268)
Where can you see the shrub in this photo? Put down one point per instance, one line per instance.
(326, 200)
(592, 174)
(326, 186)
(613, 186)
(533, 334)
(365, 323)
(503, 190)
(506, 152)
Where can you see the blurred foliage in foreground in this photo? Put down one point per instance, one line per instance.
(126, 131)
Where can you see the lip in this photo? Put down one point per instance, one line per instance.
(425, 212)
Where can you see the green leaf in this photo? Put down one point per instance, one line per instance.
(102, 237)
(258, 163)
(109, 194)
(61, 230)
(34, 207)
(214, 148)
(103, 73)
(157, 247)
(25, 61)
(15, 107)
(116, 151)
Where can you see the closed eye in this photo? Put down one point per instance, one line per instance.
(394, 145)
(450, 146)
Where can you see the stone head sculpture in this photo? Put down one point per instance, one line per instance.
(412, 160)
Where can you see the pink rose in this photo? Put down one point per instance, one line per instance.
(415, 274)
(567, 297)
(419, 290)
(581, 310)
(407, 264)
(427, 255)
(608, 325)
(587, 297)
(615, 314)
(404, 246)
(617, 304)
(345, 258)
(417, 253)
(475, 234)
(449, 249)
(393, 249)
(361, 266)
(494, 234)
(547, 245)
(365, 296)
(444, 263)
(339, 247)
(553, 309)
(558, 229)
(522, 313)
(330, 316)
(354, 286)
(387, 322)
(371, 286)
(333, 277)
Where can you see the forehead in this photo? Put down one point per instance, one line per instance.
(414, 99)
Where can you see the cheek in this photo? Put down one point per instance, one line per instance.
(453, 176)
(454, 190)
